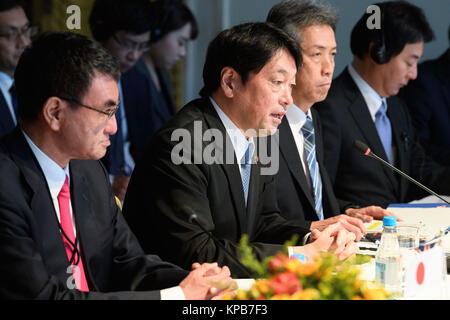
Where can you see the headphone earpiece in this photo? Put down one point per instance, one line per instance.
(166, 8)
(378, 52)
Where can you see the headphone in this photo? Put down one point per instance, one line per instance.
(166, 6)
(378, 52)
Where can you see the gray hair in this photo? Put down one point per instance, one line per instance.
(294, 15)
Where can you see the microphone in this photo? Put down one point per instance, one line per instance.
(364, 149)
(194, 219)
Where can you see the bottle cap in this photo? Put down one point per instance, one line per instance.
(389, 221)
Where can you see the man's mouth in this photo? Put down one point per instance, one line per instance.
(279, 115)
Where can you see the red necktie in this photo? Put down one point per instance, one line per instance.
(66, 225)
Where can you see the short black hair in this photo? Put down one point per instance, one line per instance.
(110, 16)
(294, 15)
(171, 15)
(59, 64)
(246, 48)
(402, 23)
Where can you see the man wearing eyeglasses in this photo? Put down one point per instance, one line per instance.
(15, 32)
(62, 235)
(123, 28)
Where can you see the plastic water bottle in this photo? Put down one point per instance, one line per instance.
(388, 257)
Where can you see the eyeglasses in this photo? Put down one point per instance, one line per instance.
(109, 113)
(14, 34)
(131, 45)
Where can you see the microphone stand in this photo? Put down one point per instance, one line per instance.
(360, 146)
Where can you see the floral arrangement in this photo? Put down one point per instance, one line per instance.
(327, 278)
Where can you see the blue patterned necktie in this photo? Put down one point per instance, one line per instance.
(384, 129)
(245, 172)
(310, 151)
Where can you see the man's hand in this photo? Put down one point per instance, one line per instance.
(334, 237)
(207, 281)
(349, 223)
(119, 186)
(367, 214)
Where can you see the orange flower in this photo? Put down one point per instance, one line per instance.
(307, 269)
(307, 294)
(293, 265)
(263, 286)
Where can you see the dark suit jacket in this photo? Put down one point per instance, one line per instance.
(428, 100)
(162, 111)
(143, 113)
(6, 121)
(137, 103)
(159, 212)
(294, 197)
(363, 180)
(33, 259)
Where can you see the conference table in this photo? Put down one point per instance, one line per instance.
(431, 215)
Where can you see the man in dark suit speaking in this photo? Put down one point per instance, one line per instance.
(205, 161)
(362, 105)
(304, 190)
(62, 235)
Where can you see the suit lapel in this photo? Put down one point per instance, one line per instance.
(84, 217)
(289, 152)
(6, 120)
(231, 170)
(50, 241)
(253, 198)
(394, 114)
(360, 113)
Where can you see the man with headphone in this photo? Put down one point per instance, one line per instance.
(362, 105)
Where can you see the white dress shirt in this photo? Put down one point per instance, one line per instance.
(54, 175)
(239, 141)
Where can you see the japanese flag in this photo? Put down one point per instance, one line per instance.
(424, 275)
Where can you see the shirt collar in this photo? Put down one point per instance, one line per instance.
(297, 117)
(372, 98)
(240, 143)
(53, 173)
(5, 81)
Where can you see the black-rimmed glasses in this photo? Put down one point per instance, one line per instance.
(131, 45)
(109, 113)
(14, 34)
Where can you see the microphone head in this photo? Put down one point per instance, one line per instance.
(361, 147)
(193, 218)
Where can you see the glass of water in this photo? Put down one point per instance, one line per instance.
(408, 240)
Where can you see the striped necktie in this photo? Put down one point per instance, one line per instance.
(310, 151)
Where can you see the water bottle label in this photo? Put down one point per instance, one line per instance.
(380, 272)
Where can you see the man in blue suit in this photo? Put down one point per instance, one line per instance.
(123, 28)
(15, 31)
